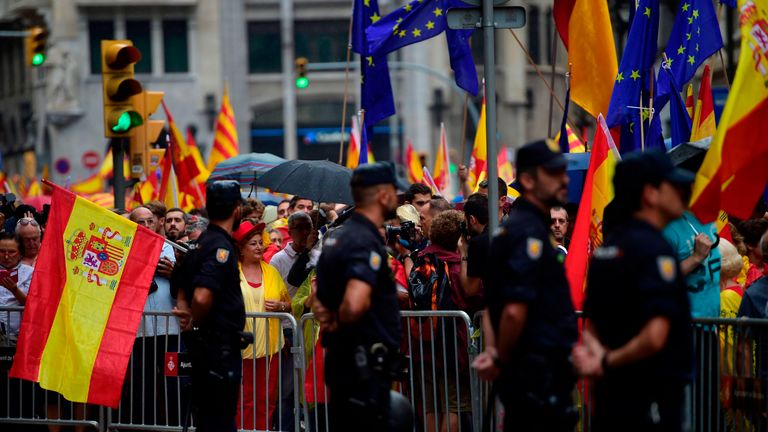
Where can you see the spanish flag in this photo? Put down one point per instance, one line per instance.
(585, 28)
(225, 143)
(355, 144)
(442, 164)
(689, 103)
(598, 192)
(704, 116)
(413, 164)
(733, 174)
(479, 159)
(85, 302)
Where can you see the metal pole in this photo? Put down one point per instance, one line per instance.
(290, 150)
(490, 106)
(118, 145)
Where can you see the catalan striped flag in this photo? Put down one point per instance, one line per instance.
(598, 192)
(575, 145)
(733, 175)
(225, 143)
(85, 302)
(413, 164)
(442, 163)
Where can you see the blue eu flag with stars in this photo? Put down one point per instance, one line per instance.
(695, 37)
(420, 20)
(634, 80)
(375, 87)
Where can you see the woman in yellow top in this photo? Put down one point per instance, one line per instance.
(263, 291)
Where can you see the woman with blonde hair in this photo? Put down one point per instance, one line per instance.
(263, 291)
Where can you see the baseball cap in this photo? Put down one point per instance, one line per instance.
(222, 193)
(543, 153)
(375, 174)
(652, 167)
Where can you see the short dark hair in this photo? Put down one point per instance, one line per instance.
(176, 209)
(417, 189)
(477, 206)
(438, 205)
(11, 236)
(222, 212)
(753, 230)
(199, 212)
(502, 186)
(284, 202)
(157, 208)
(295, 200)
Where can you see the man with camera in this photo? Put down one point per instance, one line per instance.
(357, 307)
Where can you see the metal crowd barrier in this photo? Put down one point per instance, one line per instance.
(728, 392)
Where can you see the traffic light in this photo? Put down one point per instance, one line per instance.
(35, 42)
(302, 81)
(118, 84)
(144, 135)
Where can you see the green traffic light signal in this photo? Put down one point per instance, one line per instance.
(302, 82)
(38, 59)
(126, 121)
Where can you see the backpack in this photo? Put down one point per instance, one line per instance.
(429, 284)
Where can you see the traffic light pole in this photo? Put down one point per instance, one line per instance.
(118, 176)
(489, 71)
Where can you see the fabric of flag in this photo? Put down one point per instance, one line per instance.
(695, 37)
(588, 229)
(375, 87)
(506, 170)
(733, 175)
(563, 140)
(575, 143)
(442, 163)
(592, 55)
(689, 101)
(633, 80)
(91, 185)
(185, 165)
(85, 301)
(729, 3)
(169, 188)
(429, 181)
(479, 157)
(195, 151)
(704, 116)
(680, 121)
(225, 144)
(413, 164)
(364, 149)
(420, 20)
(353, 150)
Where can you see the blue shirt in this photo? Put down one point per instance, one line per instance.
(703, 282)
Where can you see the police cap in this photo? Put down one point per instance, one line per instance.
(375, 174)
(543, 153)
(652, 167)
(222, 193)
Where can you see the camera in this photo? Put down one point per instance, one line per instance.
(406, 231)
(463, 229)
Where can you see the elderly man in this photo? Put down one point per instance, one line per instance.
(30, 235)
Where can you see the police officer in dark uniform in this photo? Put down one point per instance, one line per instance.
(211, 310)
(357, 306)
(638, 339)
(529, 305)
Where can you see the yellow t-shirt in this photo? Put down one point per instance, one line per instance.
(272, 288)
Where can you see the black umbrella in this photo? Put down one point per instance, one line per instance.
(318, 180)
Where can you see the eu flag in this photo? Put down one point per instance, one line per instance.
(680, 120)
(420, 20)
(375, 87)
(695, 36)
(565, 147)
(634, 79)
(363, 158)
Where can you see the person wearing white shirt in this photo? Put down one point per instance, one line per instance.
(15, 279)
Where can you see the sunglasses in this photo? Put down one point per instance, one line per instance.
(28, 221)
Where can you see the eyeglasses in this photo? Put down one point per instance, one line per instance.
(27, 221)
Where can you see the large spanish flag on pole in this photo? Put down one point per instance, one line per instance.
(598, 192)
(585, 28)
(225, 144)
(85, 302)
(733, 174)
(479, 159)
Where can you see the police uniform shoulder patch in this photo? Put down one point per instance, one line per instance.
(222, 255)
(534, 248)
(374, 261)
(667, 268)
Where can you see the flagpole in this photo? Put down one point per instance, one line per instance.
(541, 76)
(346, 86)
(462, 161)
(642, 127)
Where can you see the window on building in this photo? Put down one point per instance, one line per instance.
(139, 32)
(97, 31)
(175, 46)
(264, 53)
(534, 41)
(322, 42)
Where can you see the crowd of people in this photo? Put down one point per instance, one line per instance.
(659, 268)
